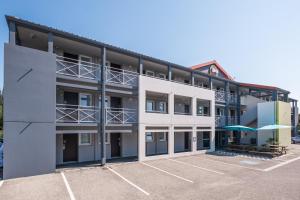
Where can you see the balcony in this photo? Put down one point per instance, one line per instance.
(120, 76)
(220, 121)
(120, 116)
(78, 69)
(66, 113)
(220, 96)
(89, 114)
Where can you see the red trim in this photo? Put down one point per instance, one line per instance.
(258, 86)
(213, 62)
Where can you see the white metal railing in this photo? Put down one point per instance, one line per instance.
(220, 95)
(121, 76)
(76, 68)
(120, 116)
(66, 113)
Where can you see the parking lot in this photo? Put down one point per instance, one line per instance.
(207, 176)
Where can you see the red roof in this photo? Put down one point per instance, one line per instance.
(213, 62)
(258, 86)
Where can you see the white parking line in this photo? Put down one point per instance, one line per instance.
(281, 164)
(1, 183)
(187, 164)
(128, 181)
(161, 170)
(230, 164)
(72, 197)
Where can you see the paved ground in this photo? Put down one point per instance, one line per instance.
(209, 176)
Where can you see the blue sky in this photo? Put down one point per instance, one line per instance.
(255, 41)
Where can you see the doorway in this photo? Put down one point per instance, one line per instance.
(116, 102)
(186, 141)
(70, 147)
(115, 142)
(70, 98)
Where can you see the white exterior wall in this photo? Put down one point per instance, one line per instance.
(170, 120)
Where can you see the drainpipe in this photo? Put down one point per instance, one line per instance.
(103, 109)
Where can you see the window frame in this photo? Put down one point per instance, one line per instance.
(146, 137)
(80, 140)
(87, 94)
(153, 105)
(164, 137)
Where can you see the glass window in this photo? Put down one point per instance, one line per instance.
(85, 139)
(206, 140)
(162, 106)
(150, 105)
(162, 136)
(85, 99)
(149, 137)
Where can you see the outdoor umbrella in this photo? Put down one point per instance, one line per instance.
(239, 128)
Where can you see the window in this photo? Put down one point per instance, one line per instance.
(85, 99)
(150, 73)
(150, 105)
(106, 102)
(206, 140)
(162, 76)
(85, 139)
(162, 137)
(149, 137)
(203, 107)
(162, 106)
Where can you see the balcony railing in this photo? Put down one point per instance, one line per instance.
(120, 76)
(120, 116)
(76, 68)
(76, 114)
(220, 121)
(220, 96)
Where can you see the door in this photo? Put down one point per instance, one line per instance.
(116, 102)
(71, 98)
(115, 142)
(70, 147)
(186, 140)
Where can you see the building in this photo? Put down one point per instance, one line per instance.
(71, 99)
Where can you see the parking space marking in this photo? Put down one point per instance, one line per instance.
(1, 183)
(161, 170)
(205, 169)
(230, 164)
(128, 181)
(281, 164)
(72, 197)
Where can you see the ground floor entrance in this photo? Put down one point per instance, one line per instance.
(115, 145)
(221, 139)
(70, 148)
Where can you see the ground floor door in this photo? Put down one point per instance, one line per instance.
(186, 140)
(115, 141)
(220, 139)
(70, 148)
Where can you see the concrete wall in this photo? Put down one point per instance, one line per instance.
(93, 152)
(284, 118)
(270, 113)
(170, 120)
(251, 109)
(29, 111)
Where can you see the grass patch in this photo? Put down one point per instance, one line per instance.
(1, 135)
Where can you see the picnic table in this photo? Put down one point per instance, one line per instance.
(278, 148)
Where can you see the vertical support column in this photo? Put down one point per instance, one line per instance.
(169, 72)
(103, 109)
(238, 105)
(12, 33)
(274, 95)
(171, 127)
(141, 67)
(210, 83)
(192, 78)
(226, 102)
(50, 42)
(194, 139)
